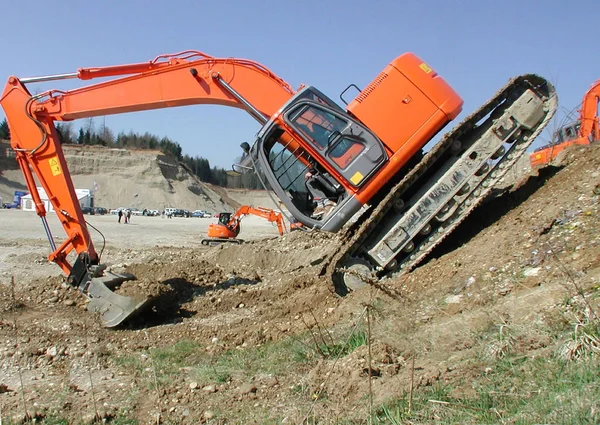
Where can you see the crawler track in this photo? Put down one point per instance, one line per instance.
(221, 241)
(358, 238)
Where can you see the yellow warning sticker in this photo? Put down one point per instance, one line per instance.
(425, 68)
(54, 166)
(356, 178)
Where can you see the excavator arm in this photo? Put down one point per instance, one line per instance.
(185, 78)
(229, 225)
(267, 214)
(588, 115)
(584, 131)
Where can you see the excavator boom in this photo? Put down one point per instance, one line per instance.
(588, 115)
(184, 78)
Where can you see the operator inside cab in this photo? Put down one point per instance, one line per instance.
(321, 192)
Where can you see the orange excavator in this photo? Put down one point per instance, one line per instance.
(229, 225)
(584, 131)
(360, 169)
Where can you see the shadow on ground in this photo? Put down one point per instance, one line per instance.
(168, 307)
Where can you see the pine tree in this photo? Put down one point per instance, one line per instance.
(4, 130)
(80, 137)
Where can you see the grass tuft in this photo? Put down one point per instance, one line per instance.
(518, 391)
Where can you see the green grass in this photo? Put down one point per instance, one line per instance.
(269, 359)
(121, 420)
(518, 391)
(165, 362)
(344, 347)
(55, 420)
(273, 358)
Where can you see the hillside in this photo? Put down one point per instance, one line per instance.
(499, 326)
(127, 178)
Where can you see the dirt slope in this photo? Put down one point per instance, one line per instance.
(228, 316)
(127, 178)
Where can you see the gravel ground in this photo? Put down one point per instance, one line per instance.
(22, 237)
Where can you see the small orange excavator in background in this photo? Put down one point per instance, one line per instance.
(584, 131)
(229, 225)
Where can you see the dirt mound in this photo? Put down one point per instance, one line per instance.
(251, 334)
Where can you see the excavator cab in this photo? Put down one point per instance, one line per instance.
(314, 153)
(224, 218)
(566, 133)
(226, 228)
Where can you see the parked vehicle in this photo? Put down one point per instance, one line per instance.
(16, 203)
(181, 213)
(100, 210)
(201, 214)
(88, 210)
(116, 210)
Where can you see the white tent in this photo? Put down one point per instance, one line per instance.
(84, 196)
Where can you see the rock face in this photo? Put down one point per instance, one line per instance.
(129, 178)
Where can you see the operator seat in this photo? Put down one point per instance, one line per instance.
(320, 187)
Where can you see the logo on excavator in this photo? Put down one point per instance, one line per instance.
(425, 68)
(54, 166)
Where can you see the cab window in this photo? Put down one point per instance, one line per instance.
(345, 151)
(570, 133)
(318, 126)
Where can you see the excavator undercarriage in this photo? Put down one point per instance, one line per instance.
(423, 208)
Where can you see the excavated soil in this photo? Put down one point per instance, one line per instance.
(512, 263)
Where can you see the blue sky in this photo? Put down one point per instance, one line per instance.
(476, 45)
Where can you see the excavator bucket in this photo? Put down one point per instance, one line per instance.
(113, 308)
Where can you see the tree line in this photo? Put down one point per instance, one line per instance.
(89, 135)
(4, 130)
